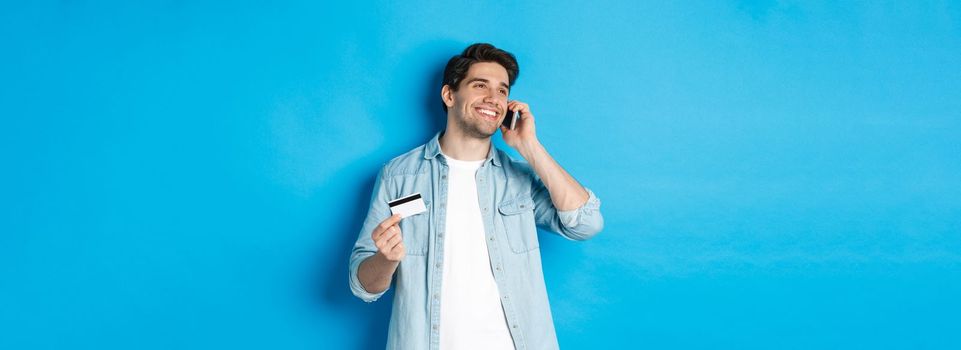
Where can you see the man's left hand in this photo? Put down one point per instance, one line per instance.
(523, 133)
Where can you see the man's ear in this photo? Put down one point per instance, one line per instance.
(447, 95)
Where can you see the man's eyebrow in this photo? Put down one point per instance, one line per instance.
(487, 81)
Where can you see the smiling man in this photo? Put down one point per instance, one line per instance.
(467, 271)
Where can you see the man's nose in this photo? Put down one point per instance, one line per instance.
(490, 96)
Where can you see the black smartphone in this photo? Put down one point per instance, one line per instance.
(510, 120)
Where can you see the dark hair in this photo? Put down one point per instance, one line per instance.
(458, 65)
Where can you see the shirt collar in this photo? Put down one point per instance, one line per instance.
(433, 150)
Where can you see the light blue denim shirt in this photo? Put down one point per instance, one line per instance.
(513, 203)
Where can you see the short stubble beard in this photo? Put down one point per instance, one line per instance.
(472, 129)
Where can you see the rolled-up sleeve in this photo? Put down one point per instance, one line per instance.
(355, 286)
(578, 224)
(364, 247)
(589, 213)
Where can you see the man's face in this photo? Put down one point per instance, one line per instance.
(480, 102)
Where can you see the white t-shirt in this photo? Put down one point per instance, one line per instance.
(471, 316)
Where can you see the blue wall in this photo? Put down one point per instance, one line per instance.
(774, 174)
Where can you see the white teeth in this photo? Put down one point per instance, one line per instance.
(487, 112)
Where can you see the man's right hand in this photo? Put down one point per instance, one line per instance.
(387, 237)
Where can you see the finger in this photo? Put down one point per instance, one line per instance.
(386, 241)
(379, 230)
(389, 247)
(382, 227)
(523, 108)
(382, 238)
(525, 113)
(393, 242)
(389, 233)
(398, 249)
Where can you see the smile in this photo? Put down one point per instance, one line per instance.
(489, 113)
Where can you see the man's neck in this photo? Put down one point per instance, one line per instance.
(457, 145)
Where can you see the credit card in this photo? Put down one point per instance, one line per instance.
(407, 205)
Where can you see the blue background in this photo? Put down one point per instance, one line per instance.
(775, 174)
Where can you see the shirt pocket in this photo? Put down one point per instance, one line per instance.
(416, 230)
(518, 217)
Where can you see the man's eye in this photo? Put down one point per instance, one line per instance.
(503, 92)
(480, 85)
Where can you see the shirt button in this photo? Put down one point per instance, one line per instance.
(434, 327)
(438, 265)
(492, 238)
(443, 177)
(498, 268)
(515, 326)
